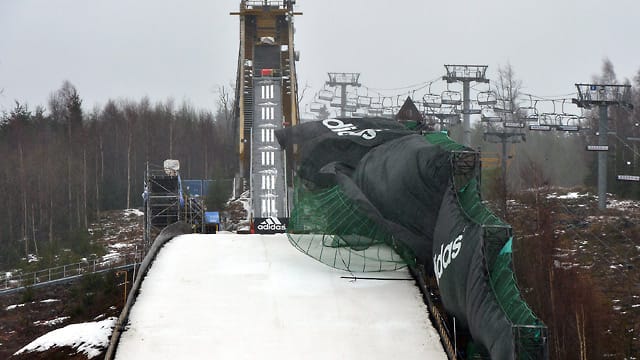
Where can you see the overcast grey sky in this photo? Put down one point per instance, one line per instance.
(185, 49)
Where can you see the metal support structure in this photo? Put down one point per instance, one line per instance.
(503, 138)
(466, 74)
(343, 80)
(603, 129)
(603, 96)
(466, 115)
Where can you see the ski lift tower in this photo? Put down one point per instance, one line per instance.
(343, 80)
(466, 74)
(602, 96)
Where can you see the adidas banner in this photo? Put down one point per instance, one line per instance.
(270, 225)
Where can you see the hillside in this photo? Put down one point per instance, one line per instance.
(35, 312)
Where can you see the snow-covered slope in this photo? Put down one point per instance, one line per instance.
(230, 296)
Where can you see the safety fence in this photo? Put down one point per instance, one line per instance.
(14, 281)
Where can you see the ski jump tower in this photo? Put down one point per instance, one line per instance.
(266, 100)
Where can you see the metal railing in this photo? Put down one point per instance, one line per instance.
(17, 280)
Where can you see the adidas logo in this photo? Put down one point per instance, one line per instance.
(342, 129)
(447, 254)
(271, 223)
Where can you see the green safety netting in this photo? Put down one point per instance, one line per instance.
(393, 198)
(327, 226)
(530, 331)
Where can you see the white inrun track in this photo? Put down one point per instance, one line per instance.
(230, 296)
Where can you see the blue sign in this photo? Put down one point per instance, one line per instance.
(211, 217)
(193, 187)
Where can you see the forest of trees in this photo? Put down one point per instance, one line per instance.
(62, 165)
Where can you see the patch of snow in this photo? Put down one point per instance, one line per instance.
(111, 257)
(11, 307)
(571, 195)
(32, 258)
(622, 204)
(133, 212)
(120, 245)
(52, 322)
(635, 306)
(88, 338)
(49, 301)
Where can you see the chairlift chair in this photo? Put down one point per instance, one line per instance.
(375, 108)
(487, 98)
(388, 112)
(360, 112)
(432, 101)
(387, 102)
(569, 123)
(336, 102)
(315, 107)
(489, 115)
(374, 112)
(548, 119)
(326, 95)
(450, 97)
(350, 106)
(502, 106)
(364, 101)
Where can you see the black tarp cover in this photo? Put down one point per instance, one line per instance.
(401, 180)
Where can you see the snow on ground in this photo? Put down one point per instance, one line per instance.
(49, 301)
(570, 195)
(229, 296)
(622, 204)
(89, 338)
(52, 322)
(133, 212)
(11, 307)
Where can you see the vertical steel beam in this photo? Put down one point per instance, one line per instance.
(603, 129)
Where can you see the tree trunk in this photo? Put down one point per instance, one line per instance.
(170, 138)
(97, 179)
(69, 197)
(50, 219)
(23, 187)
(581, 333)
(84, 190)
(129, 144)
(33, 229)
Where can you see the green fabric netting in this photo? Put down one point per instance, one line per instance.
(327, 226)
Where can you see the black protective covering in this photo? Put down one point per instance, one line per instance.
(403, 181)
(463, 280)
